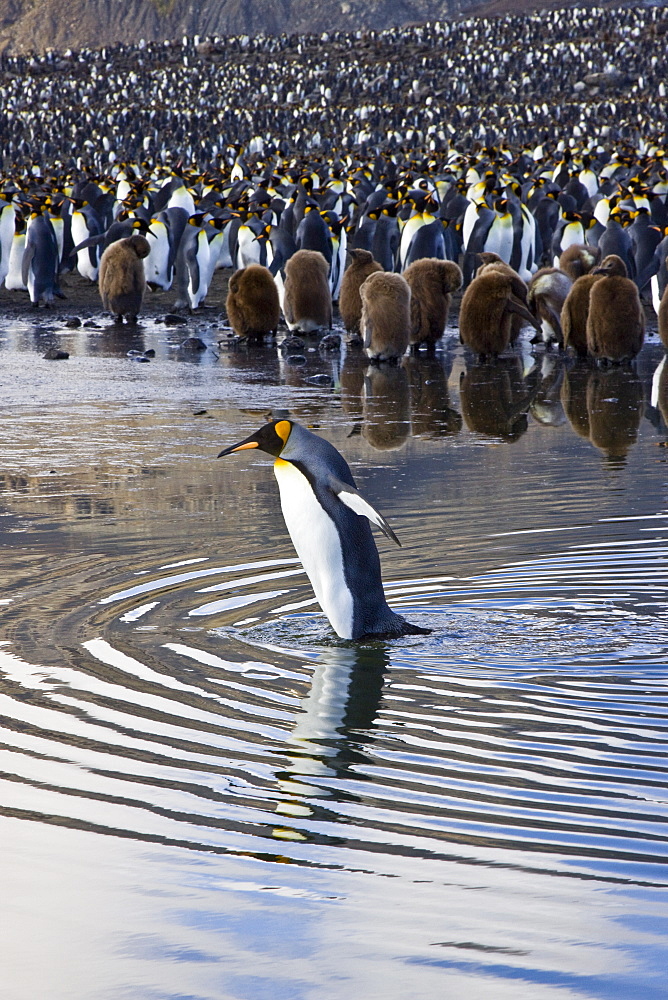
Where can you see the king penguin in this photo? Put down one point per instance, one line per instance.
(327, 521)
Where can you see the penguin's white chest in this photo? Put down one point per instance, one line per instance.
(318, 544)
(156, 265)
(501, 237)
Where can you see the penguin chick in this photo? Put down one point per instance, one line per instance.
(579, 259)
(252, 302)
(489, 259)
(307, 303)
(487, 310)
(547, 293)
(575, 311)
(350, 303)
(386, 321)
(432, 283)
(616, 321)
(327, 521)
(663, 317)
(122, 280)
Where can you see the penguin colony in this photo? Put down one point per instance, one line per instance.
(405, 143)
(440, 156)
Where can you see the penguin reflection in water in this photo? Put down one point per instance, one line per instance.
(327, 521)
(122, 280)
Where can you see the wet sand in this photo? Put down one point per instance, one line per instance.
(82, 300)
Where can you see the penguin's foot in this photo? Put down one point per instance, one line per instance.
(402, 628)
(410, 629)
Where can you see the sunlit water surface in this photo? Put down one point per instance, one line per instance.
(207, 794)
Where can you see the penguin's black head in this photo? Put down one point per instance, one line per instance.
(271, 438)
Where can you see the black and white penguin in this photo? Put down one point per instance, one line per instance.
(14, 276)
(6, 235)
(85, 224)
(192, 264)
(39, 269)
(159, 265)
(327, 520)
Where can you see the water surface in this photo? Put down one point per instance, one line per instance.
(207, 794)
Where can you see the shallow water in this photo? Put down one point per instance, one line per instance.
(206, 794)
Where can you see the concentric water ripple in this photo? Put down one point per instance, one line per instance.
(209, 705)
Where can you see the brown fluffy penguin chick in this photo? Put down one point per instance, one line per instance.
(547, 293)
(252, 302)
(490, 259)
(487, 310)
(579, 259)
(350, 304)
(307, 302)
(386, 320)
(432, 283)
(121, 278)
(616, 321)
(663, 318)
(575, 312)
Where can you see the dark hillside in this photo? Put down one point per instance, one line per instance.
(36, 25)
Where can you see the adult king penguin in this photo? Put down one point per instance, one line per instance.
(327, 521)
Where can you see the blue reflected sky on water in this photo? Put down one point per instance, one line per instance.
(230, 802)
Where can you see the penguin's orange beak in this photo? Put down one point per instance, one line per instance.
(244, 446)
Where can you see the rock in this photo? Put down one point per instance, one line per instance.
(331, 344)
(291, 344)
(54, 354)
(193, 344)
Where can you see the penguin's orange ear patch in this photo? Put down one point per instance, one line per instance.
(283, 428)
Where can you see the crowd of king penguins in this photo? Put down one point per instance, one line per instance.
(368, 179)
(369, 175)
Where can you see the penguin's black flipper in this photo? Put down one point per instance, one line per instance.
(353, 498)
(191, 264)
(28, 255)
(90, 242)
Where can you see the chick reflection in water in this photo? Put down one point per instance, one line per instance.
(385, 406)
(615, 405)
(328, 522)
(495, 397)
(431, 413)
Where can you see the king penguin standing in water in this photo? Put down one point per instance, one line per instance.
(328, 521)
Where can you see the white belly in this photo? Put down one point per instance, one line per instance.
(656, 295)
(318, 546)
(14, 278)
